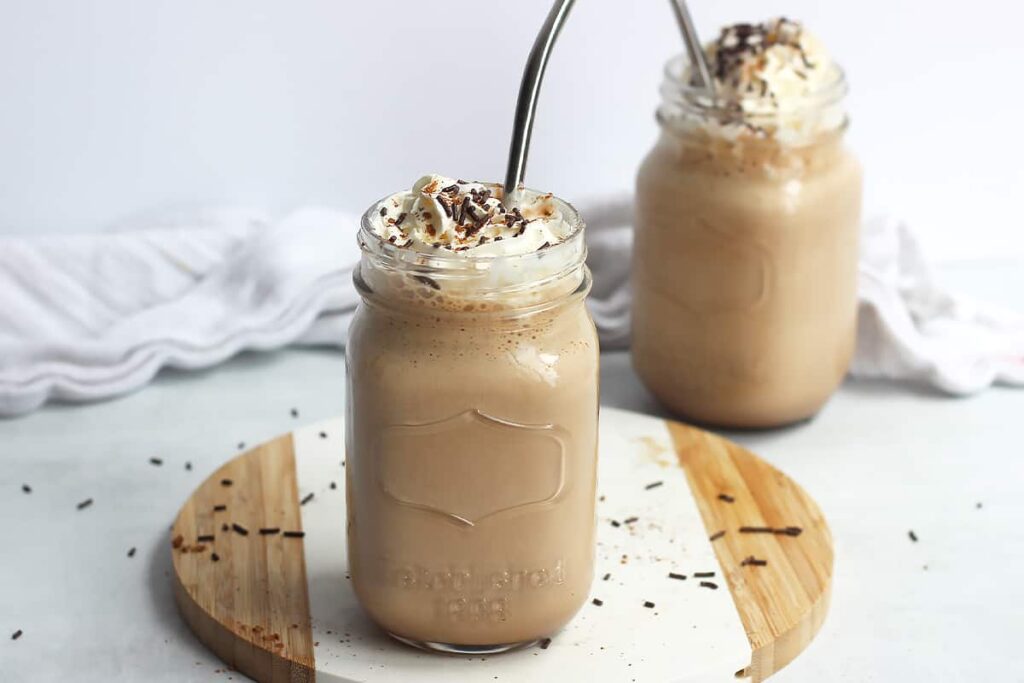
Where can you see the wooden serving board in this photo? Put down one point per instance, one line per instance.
(280, 607)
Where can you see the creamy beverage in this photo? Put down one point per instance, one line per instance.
(472, 417)
(747, 219)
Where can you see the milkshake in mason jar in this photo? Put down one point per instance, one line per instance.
(472, 417)
(747, 221)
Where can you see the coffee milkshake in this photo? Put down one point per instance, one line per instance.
(472, 417)
(747, 219)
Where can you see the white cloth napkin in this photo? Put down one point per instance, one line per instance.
(90, 317)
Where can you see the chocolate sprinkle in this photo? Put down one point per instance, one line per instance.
(654, 485)
(606, 576)
(630, 520)
(226, 482)
(268, 531)
(334, 485)
(240, 529)
(753, 562)
(308, 497)
(383, 211)
(156, 461)
(323, 435)
(224, 526)
(717, 535)
(678, 577)
(545, 644)
(912, 535)
(16, 634)
(756, 530)
(26, 488)
(215, 557)
(597, 602)
(241, 445)
(294, 534)
(726, 497)
(703, 575)
(709, 584)
(616, 524)
(790, 531)
(131, 551)
(295, 412)
(205, 538)
(188, 466)
(648, 604)
(84, 504)
(220, 508)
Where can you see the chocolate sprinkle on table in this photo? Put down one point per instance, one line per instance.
(323, 435)
(597, 602)
(84, 504)
(131, 551)
(717, 535)
(616, 524)
(544, 644)
(334, 485)
(709, 584)
(241, 445)
(703, 575)
(654, 485)
(726, 497)
(16, 634)
(205, 538)
(267, 531)
(188, 466)
(295, 412)
(156, 461)
(240, 529)
(226, 482)
(306, 499)
(294, 534)
(220, 508)
(630, 520)
(648, 604)
(912, 535)
(678, 577)
(28, 489)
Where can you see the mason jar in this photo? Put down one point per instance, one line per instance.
(745, 256)
(472, 442)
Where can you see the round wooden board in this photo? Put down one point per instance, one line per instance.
(280, 608)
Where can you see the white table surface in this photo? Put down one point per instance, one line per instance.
(881, 459)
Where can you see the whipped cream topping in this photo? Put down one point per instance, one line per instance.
(468, 218)
(776, 78)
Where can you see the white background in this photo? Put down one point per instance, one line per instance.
(110, 109)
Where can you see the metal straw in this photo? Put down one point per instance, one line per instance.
(529, 90)
(693, 45)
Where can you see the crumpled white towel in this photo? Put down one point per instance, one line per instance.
(90, 317)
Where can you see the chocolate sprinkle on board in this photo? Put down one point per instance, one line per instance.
(17, 634)
(912, 535)
(717, 535)
(220, 508)
(756, 530)
(26, 488)
(205, 538)
(294, 534)
(726, 497)
(648, 604)
(131, 552)
(269, 531)
(709, 584)
(215, 557)
(678, 577)
(789, 531)
(545, 644)
(753, 562)
(606, 576)
(653, 485)
(703, 575)
(156, 461)
(84, 504)
(597, 602)
(308, 497)
(240, 529)
(226, 482)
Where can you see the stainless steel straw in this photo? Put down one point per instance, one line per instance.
(529, 90)
(693, 45)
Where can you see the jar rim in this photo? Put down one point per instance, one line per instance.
(677, 90)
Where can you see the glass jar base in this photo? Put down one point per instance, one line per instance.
(454, 649)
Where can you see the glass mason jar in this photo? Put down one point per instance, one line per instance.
(472, 442)
(745, 256)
